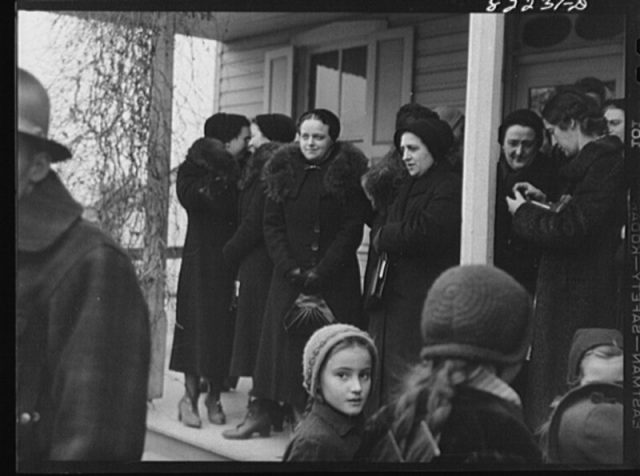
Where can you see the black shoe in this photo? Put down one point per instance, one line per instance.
(257, 420)
(214, 411)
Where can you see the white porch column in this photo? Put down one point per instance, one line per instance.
(481, 149)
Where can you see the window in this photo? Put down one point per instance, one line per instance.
(338, 82)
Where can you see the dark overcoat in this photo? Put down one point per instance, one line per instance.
(82, 337)
(482, 431)
(247, 251)
(325, 435)
(576, 284)
(512, 253)
(421, 235)
(204, 322)
(314, 217)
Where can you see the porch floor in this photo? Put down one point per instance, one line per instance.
(170, 440)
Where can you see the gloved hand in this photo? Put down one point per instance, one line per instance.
(311, 281)
(295, 277)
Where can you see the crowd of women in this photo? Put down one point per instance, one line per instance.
(276, 213)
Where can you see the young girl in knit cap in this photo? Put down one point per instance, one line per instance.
(338, 362)
(457, 406)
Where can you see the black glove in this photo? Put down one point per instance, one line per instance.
(295, 277)
(312, 282)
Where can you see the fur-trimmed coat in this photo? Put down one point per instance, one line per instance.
(576, 284)
(314, 216)
(246, 251)
(206, 188)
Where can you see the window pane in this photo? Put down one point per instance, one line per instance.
(353, 92)
(325, 81)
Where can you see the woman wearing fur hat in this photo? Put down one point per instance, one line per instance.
(203, 332)
(576, 284)
(313, 225)
(246, 251)
(421, 236)
(456, 406)
(520, 136)
(338, 362)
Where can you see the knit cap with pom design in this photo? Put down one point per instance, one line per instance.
(478, 313)
(319, 346)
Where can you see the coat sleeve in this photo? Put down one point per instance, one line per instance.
(99, 387)
(275, 234)
(250, 233)
(594, 204)
(314, 449)
(349, 236)
(200, 189)
(430, 231)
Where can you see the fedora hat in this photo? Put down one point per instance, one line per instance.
(33, 115)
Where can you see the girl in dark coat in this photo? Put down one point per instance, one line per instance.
(421, 236)
(457, 406)
(338, 362)
(247, 252)
(204, 326)
(313, 220)
(576, 280)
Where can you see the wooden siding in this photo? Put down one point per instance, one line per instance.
(439, 72)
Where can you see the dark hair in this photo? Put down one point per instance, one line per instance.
(411, 112)
(326, 117)
(276, 127)
(224, 127)
(592, 85)
(571, 104)
(522, 117)
(613, 104)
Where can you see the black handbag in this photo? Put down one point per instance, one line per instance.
(375, 288)
(308, 313)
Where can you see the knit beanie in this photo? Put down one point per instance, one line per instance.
(276, 127)
(326, 117)
(224, 127)
(522, 117)
(476, 312)
(585, 339)
(319, 346)
(434, 133)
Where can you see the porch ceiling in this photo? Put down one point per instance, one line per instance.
(226, 26)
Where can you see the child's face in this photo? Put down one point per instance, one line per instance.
(346, 379)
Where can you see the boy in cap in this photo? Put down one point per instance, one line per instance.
(82, 330)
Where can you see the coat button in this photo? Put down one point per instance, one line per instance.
(314, 246)
(24, 418)
(316, 228)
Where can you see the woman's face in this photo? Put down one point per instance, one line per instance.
(314, 139)
(415, 154)
(519, 146)
(257, 137)
(567, 139)
(615, 122)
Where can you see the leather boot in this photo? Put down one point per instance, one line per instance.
(214, 410)
(257, 420)
(188, 413)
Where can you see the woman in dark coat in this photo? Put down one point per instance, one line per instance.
(520, 136)
(576, 280)
(457, 406)
(421, 236)
(247, 252)
(206, 188)
(314, 218)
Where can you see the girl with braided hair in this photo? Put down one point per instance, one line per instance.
(456, 406)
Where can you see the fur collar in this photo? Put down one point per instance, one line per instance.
(253, 167)
(284, 173)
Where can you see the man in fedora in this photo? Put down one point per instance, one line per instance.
(82, 329)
